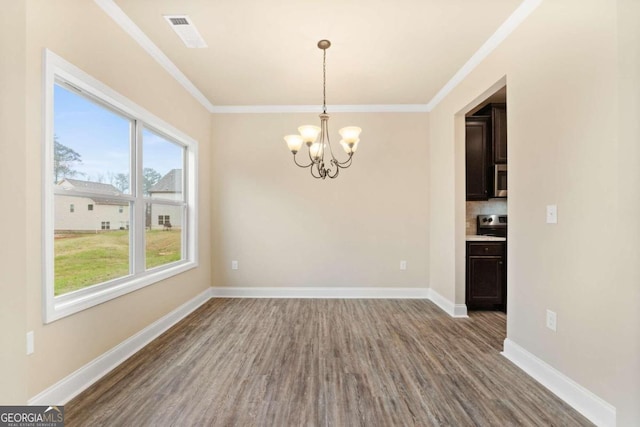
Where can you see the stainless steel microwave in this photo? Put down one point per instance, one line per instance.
(500, 181)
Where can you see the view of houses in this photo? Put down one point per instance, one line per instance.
(101, 211)
(104, 211)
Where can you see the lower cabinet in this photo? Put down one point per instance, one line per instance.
(486, 276)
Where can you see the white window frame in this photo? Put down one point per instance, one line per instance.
(56, 307)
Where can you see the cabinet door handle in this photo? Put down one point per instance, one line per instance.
(486, 249)
(500, 263)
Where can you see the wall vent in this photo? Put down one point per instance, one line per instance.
(184, 28)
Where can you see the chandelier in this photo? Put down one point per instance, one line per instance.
(318, 147)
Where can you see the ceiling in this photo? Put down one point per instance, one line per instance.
(265, 53)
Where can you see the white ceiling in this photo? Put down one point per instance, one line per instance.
(265, 53)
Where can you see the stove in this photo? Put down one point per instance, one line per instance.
(492, 225)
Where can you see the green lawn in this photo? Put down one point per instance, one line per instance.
(83, 260)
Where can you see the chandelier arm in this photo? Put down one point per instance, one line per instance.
(323, 170)
(311, 170)
(346, 163)
(309, 153)
(337, 170)
(333, 157)
(299, 165)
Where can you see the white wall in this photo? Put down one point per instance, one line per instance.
(288, 229)
(572, 74)
(13, 253)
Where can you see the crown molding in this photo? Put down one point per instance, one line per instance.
(507, 27)
(503, 31)
(361, 108)
(121, 18)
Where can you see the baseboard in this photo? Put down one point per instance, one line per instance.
(67, 388)
(453, 310)
(320, 292)
(582, 400)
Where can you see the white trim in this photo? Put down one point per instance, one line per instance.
(320, 292)
(460, 310)
(582, 400)
(66, 389)
(453, 310)
(503, 31)
(507, 27)
(362, 108)
(121, 18)
(54, 307)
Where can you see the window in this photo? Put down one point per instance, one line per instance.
(107, 153)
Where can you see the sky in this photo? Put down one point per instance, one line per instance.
(102, 138)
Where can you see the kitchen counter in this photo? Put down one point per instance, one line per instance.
(477, 238)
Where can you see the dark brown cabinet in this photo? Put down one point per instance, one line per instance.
(499, 133)
(486, 276)
(486, 146)
(477, 157)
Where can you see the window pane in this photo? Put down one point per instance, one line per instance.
(163, 238)
(91, 143)
(90, 247)
(162, 172)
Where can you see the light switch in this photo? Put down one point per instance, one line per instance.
(552, 214)
(234, 265)
(30, 343)
(403, 265)
(552, 320)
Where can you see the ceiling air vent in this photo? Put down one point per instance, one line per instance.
(184, 28)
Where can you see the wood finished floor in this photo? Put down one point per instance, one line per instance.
(311, 362)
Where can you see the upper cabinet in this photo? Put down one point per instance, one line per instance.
(486, 146)
(499, 130)
(477, 157)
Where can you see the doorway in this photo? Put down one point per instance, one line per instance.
(486, 219)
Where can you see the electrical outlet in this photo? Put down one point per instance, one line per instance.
(403, 265)
(552, 320)
(552, 214)
(234, 265)
(30, 343)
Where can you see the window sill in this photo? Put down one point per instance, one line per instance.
(66, 305)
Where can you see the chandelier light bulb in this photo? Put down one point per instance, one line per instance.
(349, 148)
(316, 151)
(294, 142)
(350, 134)
(309, 133)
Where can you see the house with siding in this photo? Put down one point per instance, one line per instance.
(163, 216)
(101, 211)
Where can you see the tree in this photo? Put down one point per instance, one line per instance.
(150, 177)
(64, 159)
(121, 181)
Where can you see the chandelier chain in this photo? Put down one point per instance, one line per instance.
(324, 81)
